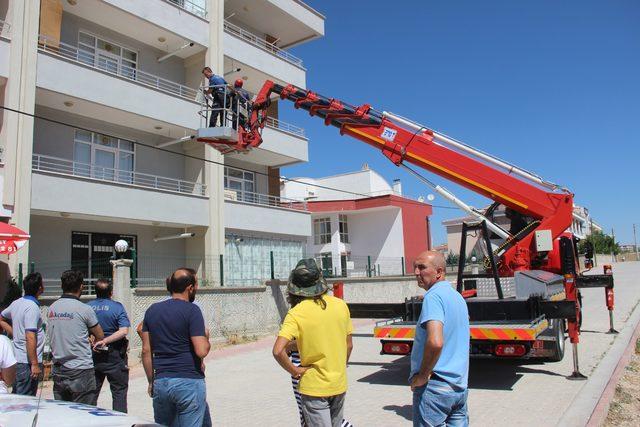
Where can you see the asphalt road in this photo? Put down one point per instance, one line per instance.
(245, 386)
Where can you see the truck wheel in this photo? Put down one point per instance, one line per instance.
(557, 326)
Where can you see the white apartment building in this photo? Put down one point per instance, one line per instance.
(362, 225)
(109, 82)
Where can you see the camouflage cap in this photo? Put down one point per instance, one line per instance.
(306, 279)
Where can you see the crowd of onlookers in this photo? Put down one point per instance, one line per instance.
(88, 343)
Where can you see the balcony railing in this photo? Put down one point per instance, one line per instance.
(191, 7)
(261, 43)
(67, 51)
(5, 29)
(285, 127)
(264, 200)
(42, 163)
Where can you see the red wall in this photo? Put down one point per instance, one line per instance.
(415, 220)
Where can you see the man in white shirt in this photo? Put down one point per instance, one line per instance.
(7, 365)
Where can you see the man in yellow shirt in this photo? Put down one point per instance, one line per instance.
(321, 326)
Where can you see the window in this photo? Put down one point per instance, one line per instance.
(91, 252)
(103, 157)
(344, 229)
(242, 182)
(321, 231)
(107, 56)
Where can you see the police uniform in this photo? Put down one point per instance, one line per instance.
(112, 363)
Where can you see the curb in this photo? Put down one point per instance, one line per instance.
(602, 408)
(587, 406)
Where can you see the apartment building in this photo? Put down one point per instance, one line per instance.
(113, 85)
(362, 225)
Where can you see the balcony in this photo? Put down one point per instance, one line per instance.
(264, 213)
(56, 165)
(90, 191)
(69, 79)
(259, 59)
(198, 9)
(149, 20)
(264, 200)
(292, 22)
(67, 51)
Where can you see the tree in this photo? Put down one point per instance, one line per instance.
(602, 243)
(452, 259)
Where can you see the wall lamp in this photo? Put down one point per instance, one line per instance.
(170, 54)
(174, 236)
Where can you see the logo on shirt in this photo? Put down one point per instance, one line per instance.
(62, 315)
(100, 307)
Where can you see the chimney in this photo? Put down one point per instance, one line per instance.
(397, 187)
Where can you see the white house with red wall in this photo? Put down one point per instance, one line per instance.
(362, 225)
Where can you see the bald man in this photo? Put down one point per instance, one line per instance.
(440, 353)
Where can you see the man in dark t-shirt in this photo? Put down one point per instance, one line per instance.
(174, 342)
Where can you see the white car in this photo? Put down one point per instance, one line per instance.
(20, 411)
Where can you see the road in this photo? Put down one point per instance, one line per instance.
(246, 387)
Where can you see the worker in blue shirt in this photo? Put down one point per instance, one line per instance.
(217, 90)
(110, 353)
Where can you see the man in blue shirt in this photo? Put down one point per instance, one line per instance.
(440, 354)
(174, 342)
(217, 89)
(110, 353)
(23, 322)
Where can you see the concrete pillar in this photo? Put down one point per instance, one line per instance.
(16, 136)
(214, 173)
(122, 292)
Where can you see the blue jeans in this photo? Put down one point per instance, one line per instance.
(24, 384)
(436, 404)
(179, 402)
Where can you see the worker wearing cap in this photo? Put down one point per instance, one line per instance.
(321, 326)
(217, 89)
(240, 104)
(440, 353)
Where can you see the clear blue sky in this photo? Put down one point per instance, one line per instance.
(551, 86)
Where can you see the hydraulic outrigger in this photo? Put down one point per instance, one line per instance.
(541, 257)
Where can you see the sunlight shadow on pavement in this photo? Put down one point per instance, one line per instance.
(403, 411)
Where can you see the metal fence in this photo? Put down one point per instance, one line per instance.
(151, 270)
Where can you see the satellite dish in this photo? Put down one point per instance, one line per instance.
(431, 197)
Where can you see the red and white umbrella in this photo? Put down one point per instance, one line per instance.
(11, 238)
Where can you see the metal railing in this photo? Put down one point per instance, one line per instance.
(5, 29)
(42, 163)
(191, 7)
(285, 127)
(262, 43)
(53, 288)
(264, 199)
(67, 51)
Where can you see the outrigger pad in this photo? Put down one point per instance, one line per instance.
(222, 138)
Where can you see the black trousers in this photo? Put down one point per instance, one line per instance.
(73, 385)
(217, 109)
(112, 365)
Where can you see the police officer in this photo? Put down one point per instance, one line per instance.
(110, 353)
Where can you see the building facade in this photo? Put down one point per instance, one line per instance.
(361, 225)
(109, 88)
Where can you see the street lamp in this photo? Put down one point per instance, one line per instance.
(121, 247)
